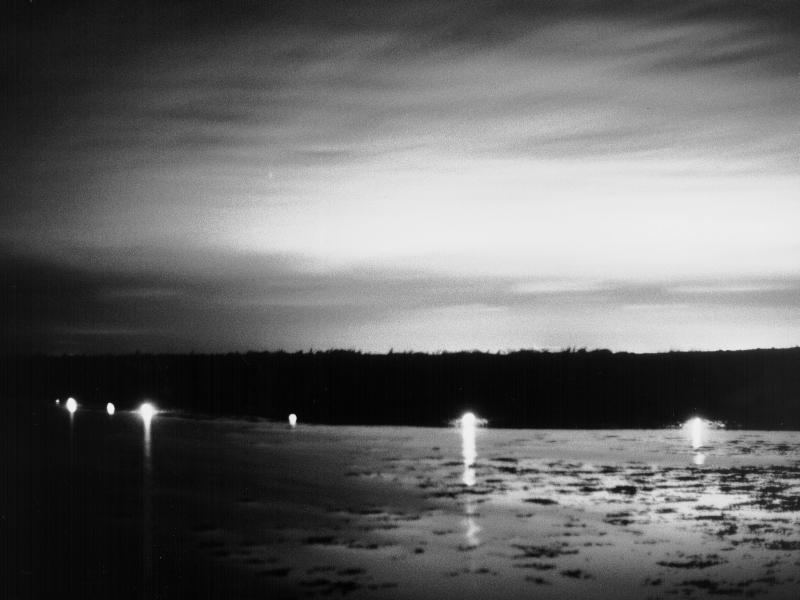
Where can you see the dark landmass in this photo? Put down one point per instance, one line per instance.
(751, 389)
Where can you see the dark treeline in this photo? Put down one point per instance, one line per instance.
(758, 389)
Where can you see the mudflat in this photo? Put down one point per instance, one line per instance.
(211, 508)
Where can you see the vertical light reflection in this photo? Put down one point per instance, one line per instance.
(696, 429)
(471, 528)
(468, 450)
(72, 407)
(147, 411)
(468, 424)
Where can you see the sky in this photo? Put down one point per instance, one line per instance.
(425, 175)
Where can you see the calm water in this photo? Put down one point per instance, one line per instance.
(105, 505)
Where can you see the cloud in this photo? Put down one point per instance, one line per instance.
(290, 170)
(320, 98)
(658, 76)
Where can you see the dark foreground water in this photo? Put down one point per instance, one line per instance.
(104, 507)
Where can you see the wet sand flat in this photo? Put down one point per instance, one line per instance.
(227, 508)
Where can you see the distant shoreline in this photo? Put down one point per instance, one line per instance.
(746, 389)
(392, 352)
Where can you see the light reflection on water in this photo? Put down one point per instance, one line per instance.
(468, 449)
(147, 412)
(471, 528)
(626, 485)
(698, 432)
(468, 425)
(696, 429)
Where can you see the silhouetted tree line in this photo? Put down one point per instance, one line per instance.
(757, 389)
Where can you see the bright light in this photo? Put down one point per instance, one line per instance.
(696, 428)
(468, 449)
(110, 409)
(58, 401)
(147, 411)
(292, 419)
(72, 406)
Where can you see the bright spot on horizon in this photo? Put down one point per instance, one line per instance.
(468, 420)
(110, 408)
(147, 411)
(696, 428)
(699, 459)
(58, 401)
(292, 420)
(72, 405)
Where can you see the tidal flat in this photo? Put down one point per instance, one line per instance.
(104, 506)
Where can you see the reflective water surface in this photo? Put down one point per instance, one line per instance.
(254, 509)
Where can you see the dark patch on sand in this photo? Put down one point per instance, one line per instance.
(693, 562)
(619, 518)
(533, 551)
(279, 572)
(322, 540)
(786, 545)
(328, 586)
(576, 574)
(542, 501)
(536, 565)
(713, 587)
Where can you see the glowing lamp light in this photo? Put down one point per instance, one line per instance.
(696, 429)
(292, 420)
(72, 405)
(147, 411)
(110, 409)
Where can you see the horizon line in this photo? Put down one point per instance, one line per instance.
(392, 352)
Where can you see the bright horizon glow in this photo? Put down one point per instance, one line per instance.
(292, 420)
(72, 405)
(586, 211)
(110, 408)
